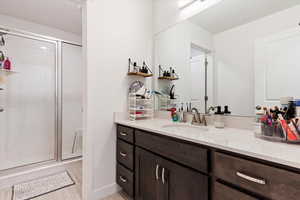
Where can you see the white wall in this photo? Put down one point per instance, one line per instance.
(115, 31)
(235, 58)
(14, 23)
(167, 13)
(173, 49)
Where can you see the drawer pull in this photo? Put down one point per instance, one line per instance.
(123, 134)
(252, 179)
(156, 172)
(124, 180)
(123, 154)
(163, 176)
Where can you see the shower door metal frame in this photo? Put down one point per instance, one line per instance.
(60, 139)
(58, 92)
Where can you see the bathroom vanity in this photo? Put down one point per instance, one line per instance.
(154, 163)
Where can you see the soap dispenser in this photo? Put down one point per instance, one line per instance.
(219, 118)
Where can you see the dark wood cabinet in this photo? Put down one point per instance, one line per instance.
(160, 179)
(147, 177)
(187, 154)
(222, 192)
(125, 154)
(156, 167)
(268, 181)
(180, 183)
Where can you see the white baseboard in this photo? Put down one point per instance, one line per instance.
(105, 191)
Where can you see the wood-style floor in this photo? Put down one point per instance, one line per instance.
(69, 193)
(117, 197)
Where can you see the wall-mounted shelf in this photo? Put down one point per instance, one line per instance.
(171, 75)
(6, 72)
(139, 74)
(168, 78)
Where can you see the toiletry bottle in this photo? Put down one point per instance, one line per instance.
(226, 110)
(175, 116)
(7, 64)
(219, 118)
(2, 59)
(173, 73)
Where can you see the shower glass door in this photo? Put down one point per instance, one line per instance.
(72, 101)
(28, 125)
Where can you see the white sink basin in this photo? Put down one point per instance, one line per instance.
(184, 128)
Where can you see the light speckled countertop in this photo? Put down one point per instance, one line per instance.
(230, 139)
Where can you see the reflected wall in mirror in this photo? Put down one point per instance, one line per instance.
(186, 48)
(252, 52)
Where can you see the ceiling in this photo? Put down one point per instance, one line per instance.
(61, 14)
(231, 13)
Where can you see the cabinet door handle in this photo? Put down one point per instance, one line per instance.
(124, 180)
(252, 179)
(123, 134)
(156, 172)
(123, 154)
(163, 176)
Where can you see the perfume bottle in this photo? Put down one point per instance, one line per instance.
(7, 64)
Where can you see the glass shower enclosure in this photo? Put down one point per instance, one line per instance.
(41, 119)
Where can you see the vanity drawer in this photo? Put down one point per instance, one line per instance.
(271, 182)
(125, 180)
(125, 154)
(125, 133)
(222, 192)
(187, 154)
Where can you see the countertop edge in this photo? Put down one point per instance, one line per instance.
(288, 164)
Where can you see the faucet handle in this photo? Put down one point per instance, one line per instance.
(203, 120)
(194, 119)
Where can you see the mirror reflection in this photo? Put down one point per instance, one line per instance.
(235, 53)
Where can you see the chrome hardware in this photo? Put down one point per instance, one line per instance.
(156, 172)
(163, 176)
(123, 134)
(123, 154)
(252, 179)
(197, 120)
(124, 180)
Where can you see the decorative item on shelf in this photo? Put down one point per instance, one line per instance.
(5, 66)
(170, 75)
(140, 102)
(2, 40)
(172, 92)
(135, 70)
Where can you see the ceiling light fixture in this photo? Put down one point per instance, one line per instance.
(196, 6)
(182, 4)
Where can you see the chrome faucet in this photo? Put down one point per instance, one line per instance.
(197, 120)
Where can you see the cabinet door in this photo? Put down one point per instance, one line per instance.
(147, 175)
(180, 183)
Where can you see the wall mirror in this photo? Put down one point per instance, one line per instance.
(234, 53)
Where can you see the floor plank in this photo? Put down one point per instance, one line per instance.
(119, 196)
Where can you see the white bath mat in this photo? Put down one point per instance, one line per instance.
(38, 187)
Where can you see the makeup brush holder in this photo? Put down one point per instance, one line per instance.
(274, 132)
